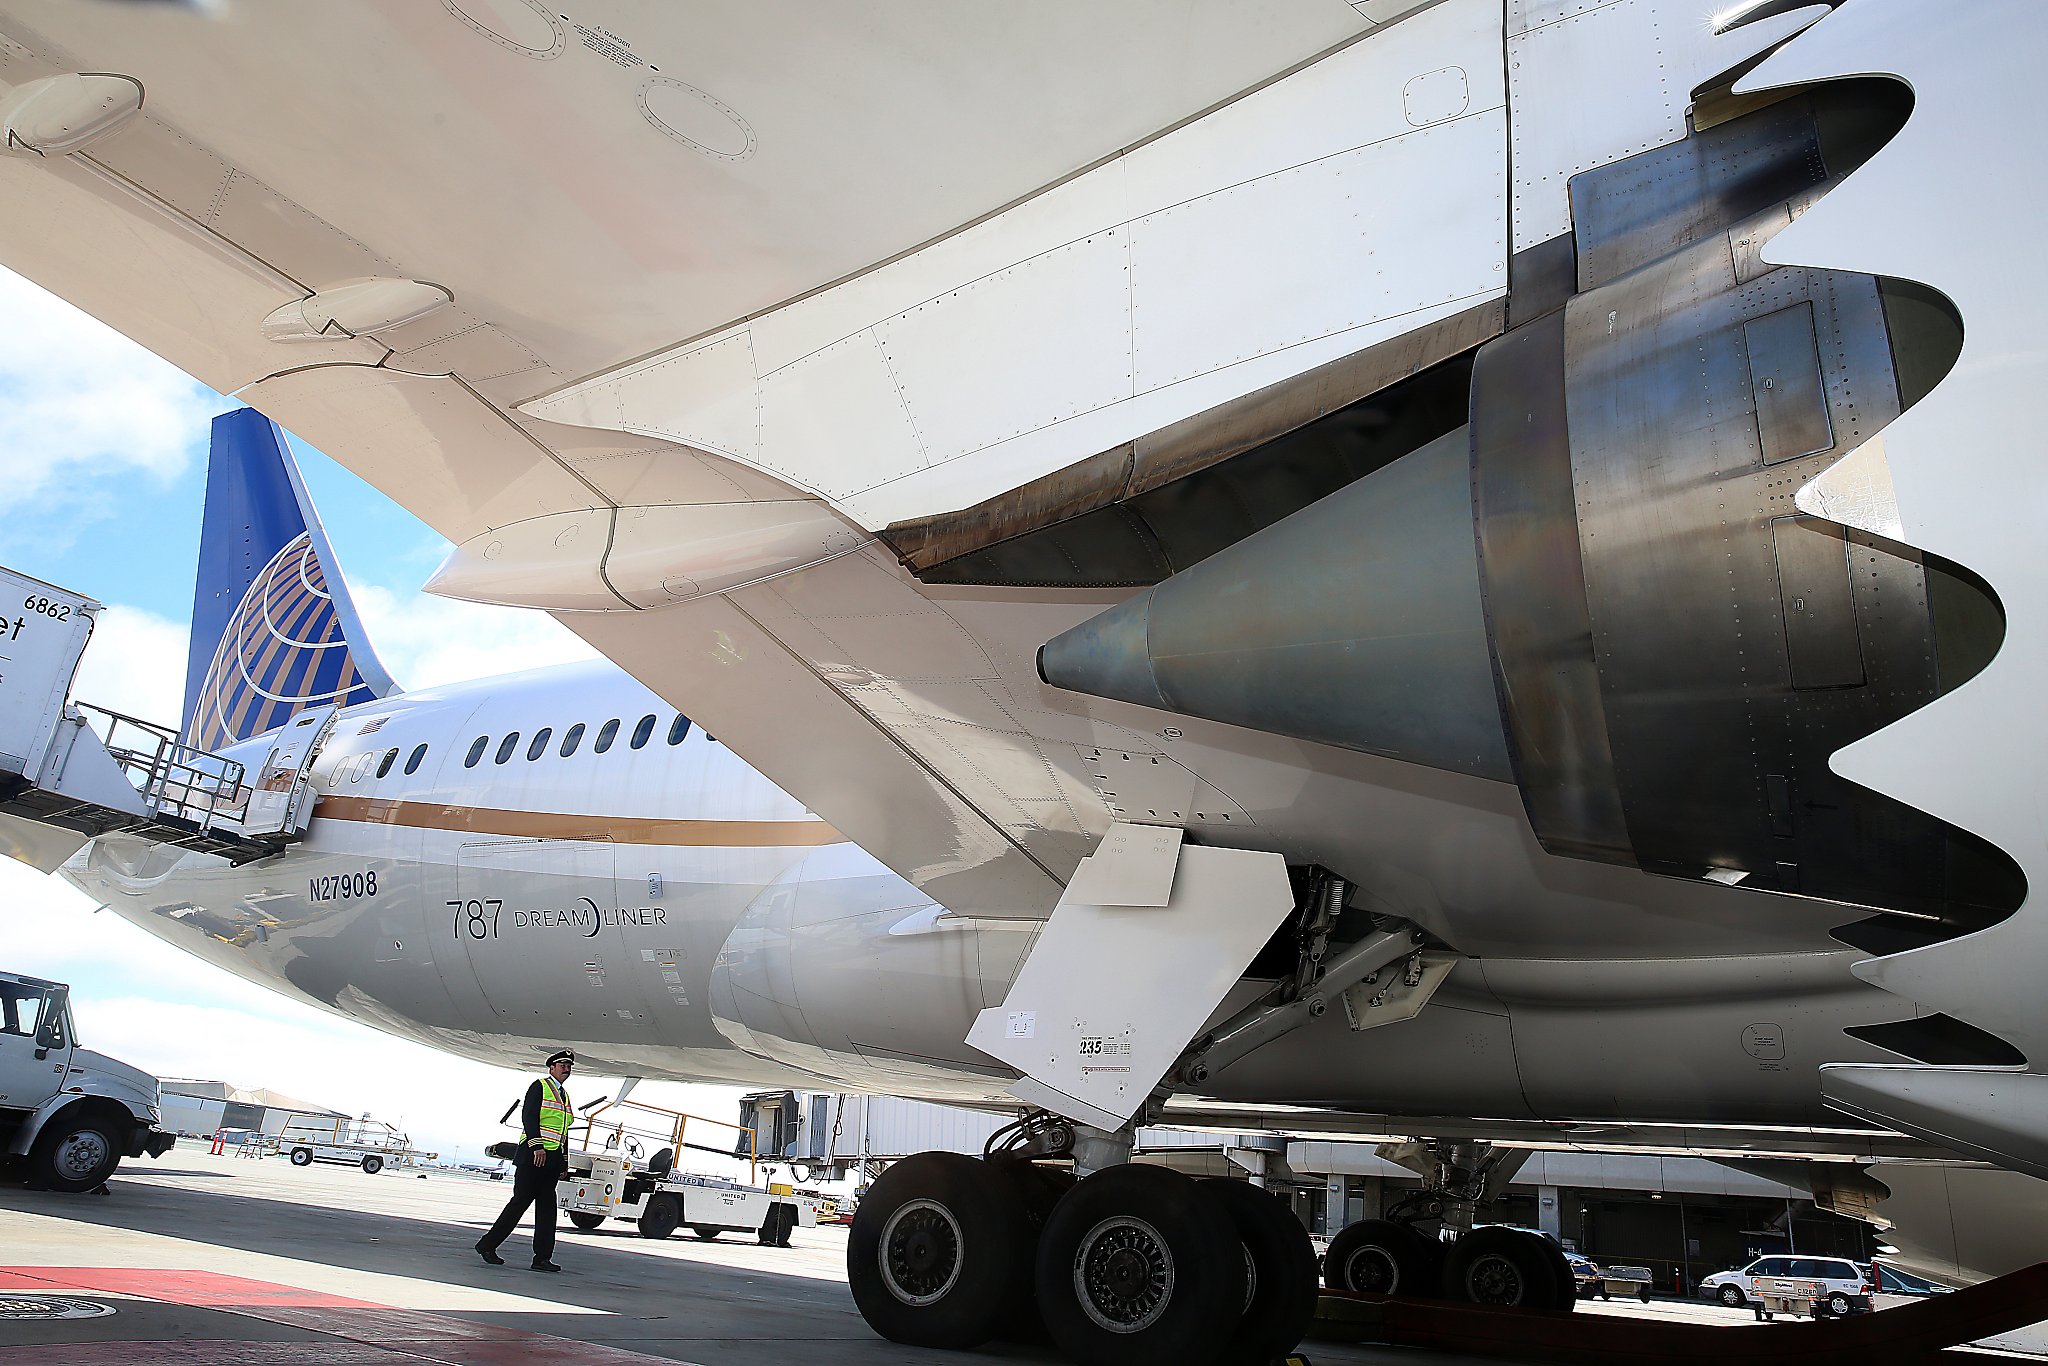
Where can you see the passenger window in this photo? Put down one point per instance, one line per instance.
(1809, 1268)
(384, 765)
(643, 730)
(678, 728)
(412, 760)
(606, 733)
(540, 743)
(506, 746)
(476, 751)
(1768, 1266)
(572, 738)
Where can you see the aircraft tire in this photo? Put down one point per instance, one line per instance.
(1040, 1188)
(938, 1252)
(659, 1216)
(1280, 1271)
(1564, 1287)
(74, 1153)
(302, 1157)
(1381, 1257)
(585, 1220)
(1135, 1270)
(1503, 1268)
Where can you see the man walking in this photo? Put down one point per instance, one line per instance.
(544, 1121)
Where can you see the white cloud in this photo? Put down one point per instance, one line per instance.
(427, 641)
(135, 664)
(76, 393)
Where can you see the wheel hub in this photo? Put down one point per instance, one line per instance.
(1372, 1270)
(920, 1258)
(1493, 1279)
(81, 1154)
(1123, 1274)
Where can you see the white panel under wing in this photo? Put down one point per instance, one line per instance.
(1110, 995)
(842, 395)
(1351, 201)
(1052, 339)
(1592, 81)
(1347, 257)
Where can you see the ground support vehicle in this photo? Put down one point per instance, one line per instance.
(366, 1143)
(1632, 1281)
(622, 1166)
(1843, 1288)
(71, 1113)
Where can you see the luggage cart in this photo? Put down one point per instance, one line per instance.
(623, 1166)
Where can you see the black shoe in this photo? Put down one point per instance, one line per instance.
(489, 1255)
(545, 1266)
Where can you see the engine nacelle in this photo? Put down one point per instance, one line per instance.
(1604, 589)
(843, 970)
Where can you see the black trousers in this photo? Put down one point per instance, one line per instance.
(533, 1186)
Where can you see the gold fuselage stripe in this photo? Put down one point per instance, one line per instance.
(484, 820)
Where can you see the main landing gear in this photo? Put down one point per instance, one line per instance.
(1508, 1268)
(1130, 1265)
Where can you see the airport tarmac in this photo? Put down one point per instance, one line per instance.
(200, 1260)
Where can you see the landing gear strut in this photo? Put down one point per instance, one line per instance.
(1130, 1265)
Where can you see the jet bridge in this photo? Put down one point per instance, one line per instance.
(70, 772)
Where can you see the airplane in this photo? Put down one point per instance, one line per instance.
(1454, 571)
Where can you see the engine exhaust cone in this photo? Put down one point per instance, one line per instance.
(1355, 622)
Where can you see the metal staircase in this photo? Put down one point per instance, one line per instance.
(70, 771)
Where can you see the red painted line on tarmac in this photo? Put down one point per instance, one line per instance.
(230, 1352)
(198, 1289)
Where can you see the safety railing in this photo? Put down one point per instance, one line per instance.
(175, 778)
(623, 1125)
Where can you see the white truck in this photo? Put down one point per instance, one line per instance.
(68, 1113)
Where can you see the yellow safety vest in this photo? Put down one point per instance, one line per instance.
(555, 1115)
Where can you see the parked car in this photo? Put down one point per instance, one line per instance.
(1889, 1280)
(1844, 1288)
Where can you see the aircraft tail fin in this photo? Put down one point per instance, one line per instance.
(273, 629)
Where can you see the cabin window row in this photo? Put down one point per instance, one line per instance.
(572, 739)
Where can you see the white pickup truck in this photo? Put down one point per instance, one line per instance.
(73, 1114)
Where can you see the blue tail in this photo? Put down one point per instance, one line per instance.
(273, 630)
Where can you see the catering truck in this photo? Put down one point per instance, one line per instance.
(68, 1114)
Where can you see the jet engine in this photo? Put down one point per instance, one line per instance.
(1605, 588)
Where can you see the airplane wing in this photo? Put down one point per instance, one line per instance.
(706, 332)
(588, 189)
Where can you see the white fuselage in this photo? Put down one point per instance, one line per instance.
(670, 913)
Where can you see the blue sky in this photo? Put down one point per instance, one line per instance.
(103, 450)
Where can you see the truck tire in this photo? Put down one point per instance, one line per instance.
(585, 1220)
(75, 1152)
(302, 1157)
(659, 1216)
(372, 1164)
(706, 1232)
